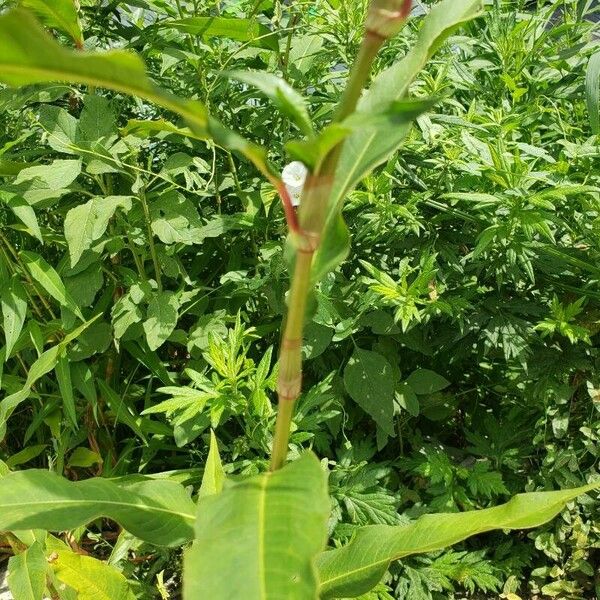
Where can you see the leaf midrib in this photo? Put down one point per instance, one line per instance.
(149, 508)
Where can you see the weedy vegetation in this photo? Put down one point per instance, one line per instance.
(387, 392)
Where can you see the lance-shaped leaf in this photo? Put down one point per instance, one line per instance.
(290, 102)
(242, 30)
(13, 301)
(29, 55)
(354, 569)
(58, 14)
(159, 512)
(258, 538)
(364, 150)
(214, 476)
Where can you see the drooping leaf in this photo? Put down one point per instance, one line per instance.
(364, 150)
(91, 578)
(242, 30)
(368, 378)
(29, 55)
(258, 538)
(161, 319)
(357, 567)
(24, 212)
(58, 14)
(87, 222)
(13, 301)
(282, 94)
(144, 128)
(214, 476)
(49, 279)
(159, 512)
(27, 573)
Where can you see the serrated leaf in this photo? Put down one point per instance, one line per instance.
(27, 573)
(159, 512)
(425, 381)
(368, 378)
(257, 539)
(357, 567)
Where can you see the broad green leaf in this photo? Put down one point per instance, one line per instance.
(49, 279)
(87, 222)
(424, 381)
(58, 14)
(97, 120)
(13, 301)
(258, 538)
(91, 578)
(57, 175)
(27, 573)
(159, 512)
(44, 364)
(29, 55)
(364, 150)
(24, 456)
(161, 319)
(290, 102)
(592, 91)
(368, 378)
(214, 476)
(242, 30)
(358, 566)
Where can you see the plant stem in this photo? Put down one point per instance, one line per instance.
(157, 272)
(311, 221)
(290, 357)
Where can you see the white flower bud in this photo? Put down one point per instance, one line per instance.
(294, 176)
(386, 17)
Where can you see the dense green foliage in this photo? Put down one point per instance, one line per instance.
(451, 362)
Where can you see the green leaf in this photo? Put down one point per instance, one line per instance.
(214, 476)
(89, 577)
(592, 91)
(27, 573)
(424, 381)
(145, 128)
(157, 511)
(63, 376)
(368, 378)
(290, 102)
(407, 399)
(24, 212)
(13, 301)
(161, 319)
(258, 538)
(242, 30)
(357, 567)
(58, 14)
(44, 364)
(49, 279)
(87, 222)
(364, 150)
(29, 55)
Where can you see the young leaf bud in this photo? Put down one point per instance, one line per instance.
(386, 17)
